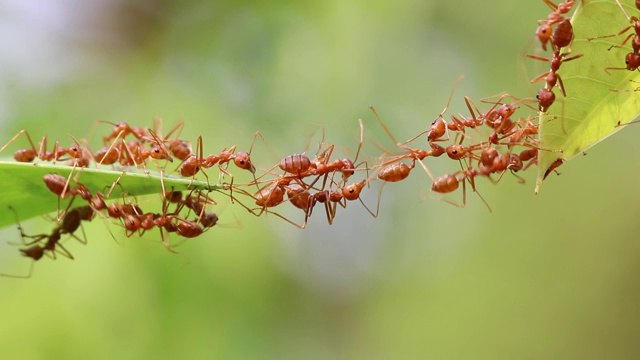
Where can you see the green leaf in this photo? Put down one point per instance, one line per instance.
(25, 191)
(592, 109)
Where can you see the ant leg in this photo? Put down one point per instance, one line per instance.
(22, 155)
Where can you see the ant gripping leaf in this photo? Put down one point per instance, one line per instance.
(596, 101)
(29, 196)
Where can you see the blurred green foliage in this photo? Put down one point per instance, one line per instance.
(547, 276)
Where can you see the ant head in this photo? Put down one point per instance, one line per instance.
(515, 163)
(632, 60)
(456, 151)
(545, 98)
(209, 219)
(352, 192)
(131, 223)
(437, 130)
(544, 34)
(122, 126)
(159, 153)
(348, 168)
(75, 151)
(243, 161)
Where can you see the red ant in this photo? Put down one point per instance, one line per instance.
(439, 127)
(171, 222)
(193, 163)
(390, 171)
(497, 117)
(300, 167)
(138, 154)
(29, 155)
(502, 163)
(60, 186)
(196, 203)
(450, 182)
(551, 76)
(521, 135)
(545, 96)
(331, 199)
(562, 35)
(273, 193)
(635, 25)
(544, 30)
(632, 59)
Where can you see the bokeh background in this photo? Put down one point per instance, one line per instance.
(552, 275)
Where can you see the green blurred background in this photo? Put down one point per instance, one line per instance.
(542, 276)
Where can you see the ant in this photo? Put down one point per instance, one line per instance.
(522, 135)
(497, 117)
(390, 170)
(551, 77)
(439, 127)
(299, 166)
(52, 245)
(184, 227)
(543, 32)
(321, 165)
(562, 35)
(29, 155)
(273, 194)
(502, 163)
(545, 96)
(343, 194)
(60, 186)
(196, 203)
(450, 182)
(138, 154)
(554, 165)
(192, 164)
(635, 25)
(632, 59)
